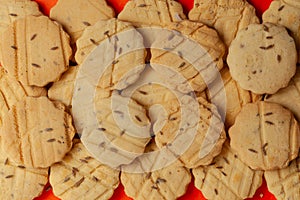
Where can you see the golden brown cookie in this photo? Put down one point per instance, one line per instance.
(284, 183)
(37, 132)
(262, 58)
(81, 176)
(35, 50)
(80, 14)
(173, 49)
(226, 16)
(152, 12)
(265, 136)
(227, 177)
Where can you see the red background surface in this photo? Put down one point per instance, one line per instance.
(192, 193)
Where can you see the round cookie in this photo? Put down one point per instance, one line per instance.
(74, 20)
(12, 91)
(18, 182)
(227, 16)
(286, 13)
(81, 176)
(284, 183)
(152, 12)
(265, 135)
(262, 58)
(37, 132)
(35, 50)
(172, 49)
(289, 97)
(227, 178)
(168, 183)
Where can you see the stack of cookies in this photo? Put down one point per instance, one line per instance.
(212, 95)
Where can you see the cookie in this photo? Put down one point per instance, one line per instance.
(37, 132)
(81, 176)
(284, 183)
(62, 90)
(286, 14)
(236, 97)
(173, 49)
(288, 97)
(265, 135)
(35, 50)
(152, 12)
(262, 58)
(18, 182)
(168, 183)
(227, 16)
(12, 91)
(75, 20)
(228, 177)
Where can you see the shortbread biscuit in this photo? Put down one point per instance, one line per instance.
(227, 178)
(226, 16)
(12, 91)
(18, 182)
(289, 97)
(173, 51)
(152, 12)
(168, 183)
(81, 176)
(79, 15)
(62, 90)
(35, 50)
(262, 58)
(284, 183)
(286, 13)
(37, 132)
(265, 135)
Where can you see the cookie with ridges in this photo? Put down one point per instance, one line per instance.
(172, 49)
(265, 136)
(35, 50)
(80, 15)
(18, 182)
(284, 183)
(286, 14)
(227, 177)
(227, 16)
(152, 12)
(168, 183)
(79, 175)
(257, 52)
(37, 132)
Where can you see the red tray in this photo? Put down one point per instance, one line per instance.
(192, 193)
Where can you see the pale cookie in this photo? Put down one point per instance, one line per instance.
(62, 90)
(37, 132)
(236, 97)
(12, 91)
(80, 14)
(152, 12)
(262, 58)
(208, 139)
(286, 14)
(227, 178)
(265, 135)
(35, 50)
(176, 52)
(18, 182)
(295, 3)
(284, 183)
(289, 97)
(168, 183)
(226, 16)
(80, 176)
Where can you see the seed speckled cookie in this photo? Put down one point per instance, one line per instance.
(262, 58)
(265, 136)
